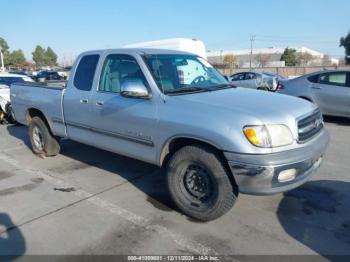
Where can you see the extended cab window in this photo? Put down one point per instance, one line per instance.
(85, 72)
(116, 70)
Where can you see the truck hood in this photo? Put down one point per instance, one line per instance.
(270, 108)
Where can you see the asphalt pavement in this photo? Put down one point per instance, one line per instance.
(89, 201)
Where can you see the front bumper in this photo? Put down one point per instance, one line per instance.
(259, 174)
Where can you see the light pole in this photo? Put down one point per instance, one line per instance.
(2, 61)
(252, 39)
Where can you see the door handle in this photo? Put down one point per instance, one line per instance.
(99, 103)
(317, 87)
(84, 101)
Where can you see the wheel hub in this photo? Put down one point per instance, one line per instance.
(198, 182)
(38, 138)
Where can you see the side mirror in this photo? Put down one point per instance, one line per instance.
(134, 88)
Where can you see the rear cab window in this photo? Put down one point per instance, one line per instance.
(85, 72)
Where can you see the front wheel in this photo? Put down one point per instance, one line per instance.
(199, 183)
(43, 142)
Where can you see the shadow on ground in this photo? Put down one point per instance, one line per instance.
(12, 242)
(341, 121)
(317, 214)
(153, 182)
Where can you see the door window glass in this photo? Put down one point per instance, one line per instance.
(238, 77)
(337, 79)
(250, 76)
(116, 70)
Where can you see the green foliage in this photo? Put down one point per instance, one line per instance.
(39, 56)
(44, 57)
(16, 58)
(289, 56)
(51, 57)
(345, 42)
(5, 50)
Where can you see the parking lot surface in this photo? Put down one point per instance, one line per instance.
(89, 201)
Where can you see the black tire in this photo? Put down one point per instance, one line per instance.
(200, 165)
(10, 115)
(50, 144)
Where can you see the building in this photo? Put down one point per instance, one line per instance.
(271, 57)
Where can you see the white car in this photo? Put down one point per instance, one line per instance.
(5, 103)
(256, 80)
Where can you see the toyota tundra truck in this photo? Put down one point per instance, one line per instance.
(173, 109)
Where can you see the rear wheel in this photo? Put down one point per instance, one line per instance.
(199, 184)
(43, 142)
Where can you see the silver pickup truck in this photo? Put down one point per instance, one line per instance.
(173, 109)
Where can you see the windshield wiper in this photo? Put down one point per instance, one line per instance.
(222, 86)
(187, 89)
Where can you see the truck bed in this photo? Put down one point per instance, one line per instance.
(46, 97)
(49, 84)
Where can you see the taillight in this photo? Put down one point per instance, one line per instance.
(280, 86)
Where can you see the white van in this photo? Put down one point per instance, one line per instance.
(182, 44)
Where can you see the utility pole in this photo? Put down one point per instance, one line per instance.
(252, 39)
(2, 61)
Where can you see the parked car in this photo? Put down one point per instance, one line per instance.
(215, 140)
(330, 90)
(63, 73)
(255, 80)
(6, 80)
(20, 72)
(43, 76)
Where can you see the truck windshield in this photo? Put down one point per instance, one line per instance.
(176, 74)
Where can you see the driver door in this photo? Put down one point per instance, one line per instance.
(123, 124)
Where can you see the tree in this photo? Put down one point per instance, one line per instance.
(39, 56)
(304, 58)
(231, 60)
(345, 42)
(5, 50)
(289, 57)
(50, 57)
(263, 59)
(16, 58)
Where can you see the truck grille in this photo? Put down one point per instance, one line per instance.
(309, 126)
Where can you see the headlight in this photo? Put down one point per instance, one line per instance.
(268, 135)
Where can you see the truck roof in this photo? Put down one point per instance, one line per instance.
(140, 51)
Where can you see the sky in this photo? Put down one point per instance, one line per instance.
(73, 26)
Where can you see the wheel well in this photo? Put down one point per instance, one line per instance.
(177, 143)
(33, 112)
(306, 98)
